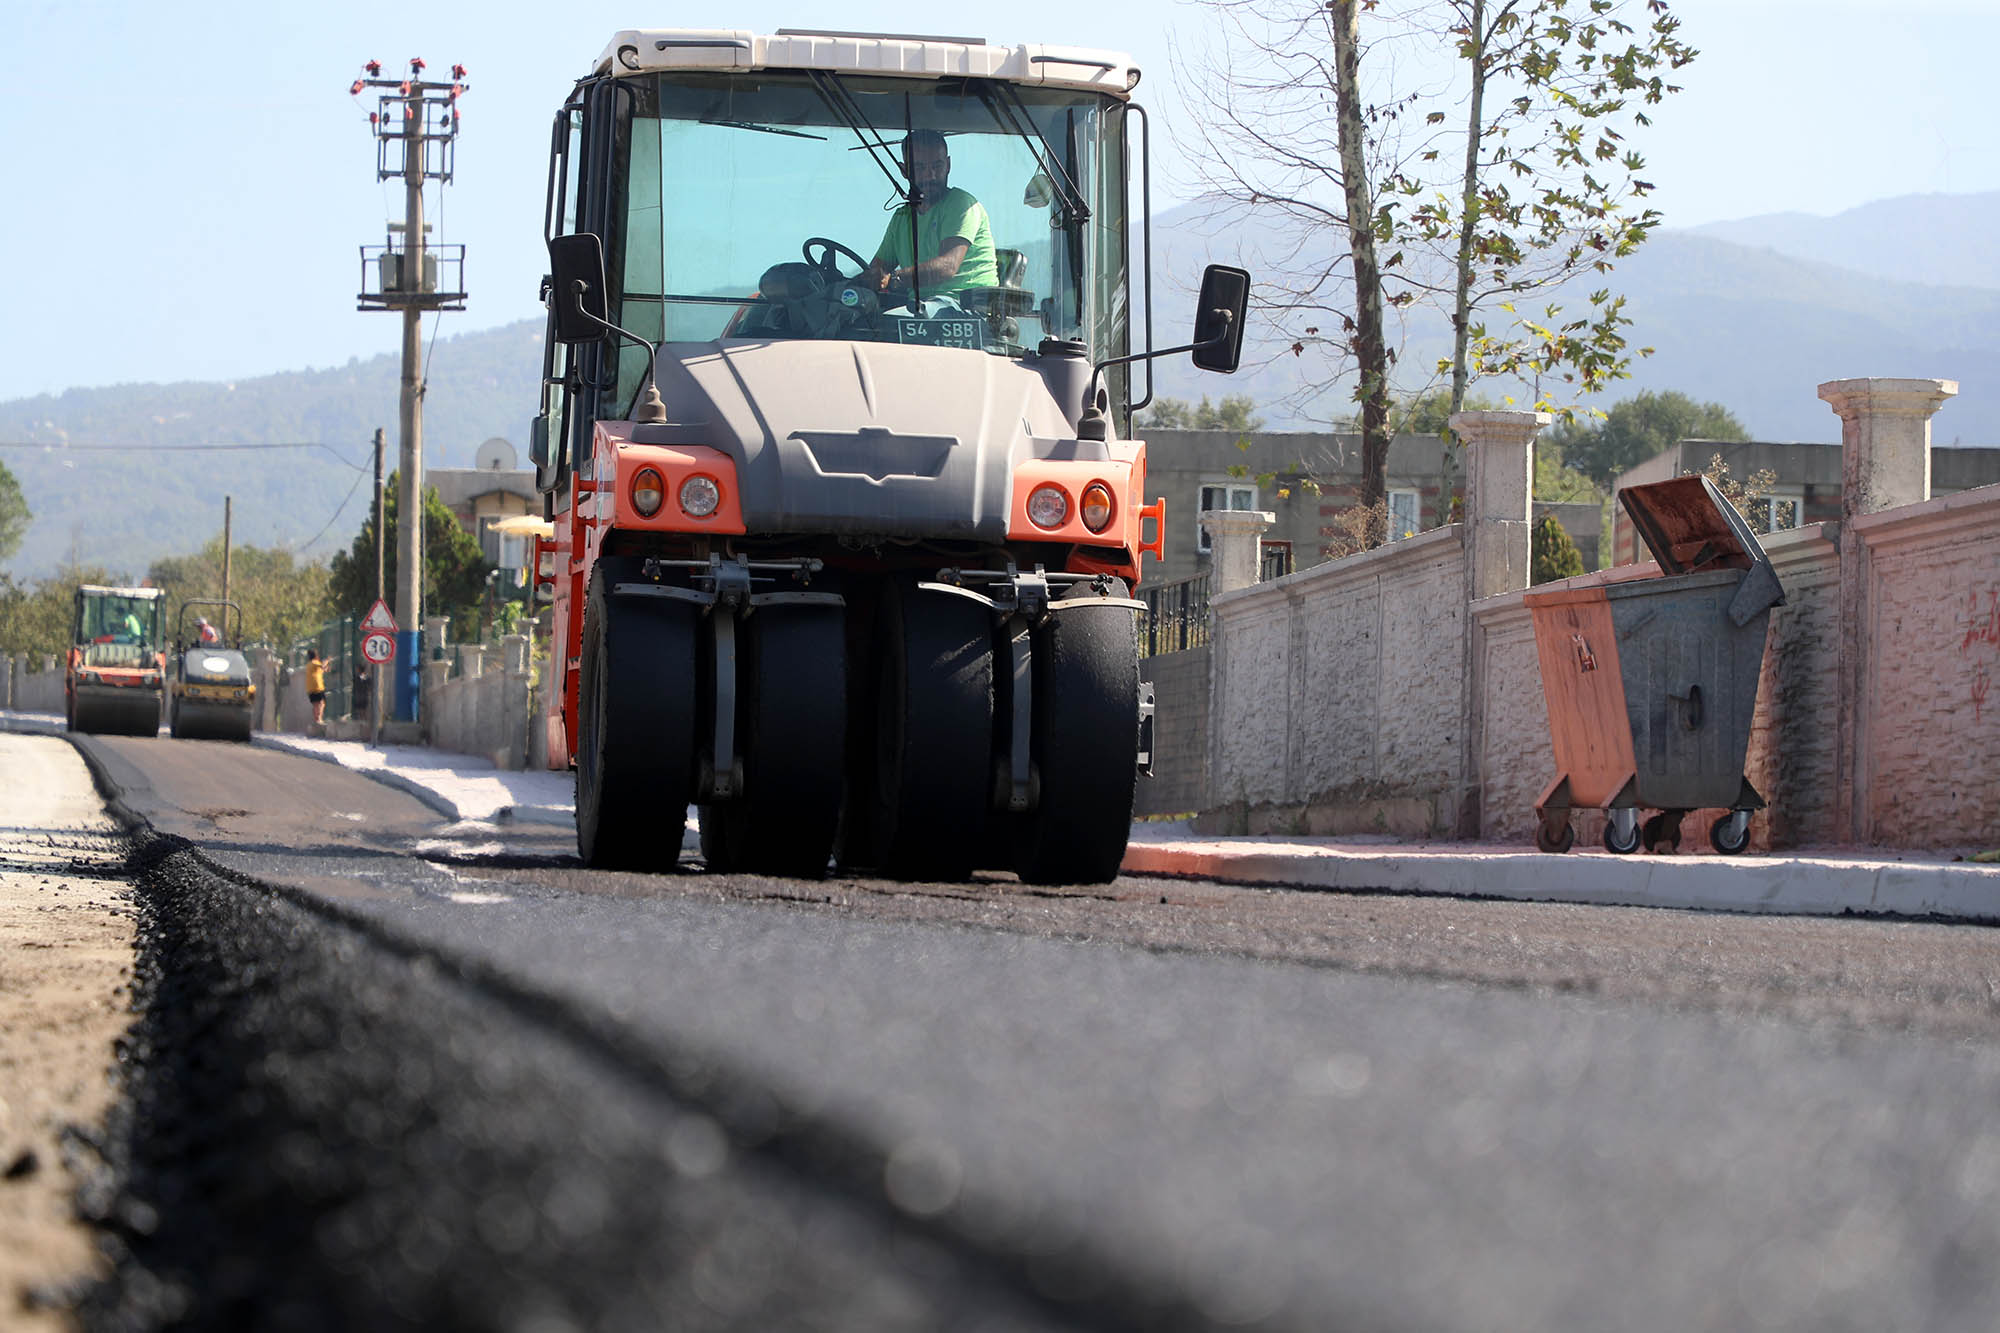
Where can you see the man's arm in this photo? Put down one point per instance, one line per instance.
(938, 269)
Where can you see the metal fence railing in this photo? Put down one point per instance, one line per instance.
(1176, 616)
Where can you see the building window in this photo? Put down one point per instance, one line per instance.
(1778, 511)
(1221, 495)
(503, 550)
(1403, 512)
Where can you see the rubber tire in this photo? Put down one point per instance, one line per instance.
(1611, 843)
(1086, 743)
(1557, 844)
(1719, 840)
(934, 734)
(791, 729)
(635, 725)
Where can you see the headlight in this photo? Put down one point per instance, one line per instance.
(648, 490)
(1097, 506)
(699, 496)
(1048, 507)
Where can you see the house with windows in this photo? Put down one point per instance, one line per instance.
(493, 488)
(1196, 470)
(1802, 486)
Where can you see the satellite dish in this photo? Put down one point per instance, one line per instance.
(496, 455)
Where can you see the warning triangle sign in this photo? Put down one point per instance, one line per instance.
(378, 618)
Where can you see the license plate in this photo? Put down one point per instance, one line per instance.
(942, 332)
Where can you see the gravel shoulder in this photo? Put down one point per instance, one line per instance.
(67, 939)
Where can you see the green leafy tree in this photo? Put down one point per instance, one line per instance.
(281, 600)
(454, 567)
(1638, 428)
(14, 514)
(1429, 413)
(1310, 129)
(1235, 412)
(1547, 181)
(1553, 555)
(35, 618)
(1556, 480)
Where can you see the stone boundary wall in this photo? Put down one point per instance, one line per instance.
(31, 691)
(484, 710)
(1929, 773)
(1793, 758)
(1877, 720)
(1339, 695)
(1179, 784)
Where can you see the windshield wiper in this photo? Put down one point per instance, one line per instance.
(1009, 109)
(764, 129)
(838, 97)
(835, 94)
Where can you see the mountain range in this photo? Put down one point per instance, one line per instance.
(1753, 314)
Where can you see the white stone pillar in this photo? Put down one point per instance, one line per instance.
(517, 701)
(1885, 440)
(1499, 514)
(1885, 463)
(1236, 543)
(1499, 496)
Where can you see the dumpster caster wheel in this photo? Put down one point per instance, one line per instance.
(1555, 836)
(1730, 834)
(1621, 832)
(1662, 833)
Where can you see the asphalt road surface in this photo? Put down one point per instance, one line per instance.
(392, 1073)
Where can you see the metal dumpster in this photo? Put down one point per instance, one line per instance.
(1650, 683)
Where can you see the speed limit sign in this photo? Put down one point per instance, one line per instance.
(378, 648)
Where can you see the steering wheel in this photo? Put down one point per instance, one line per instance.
(827, 250)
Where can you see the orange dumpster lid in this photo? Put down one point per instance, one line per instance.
(1690, 527)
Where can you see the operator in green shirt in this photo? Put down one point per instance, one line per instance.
(953, 234)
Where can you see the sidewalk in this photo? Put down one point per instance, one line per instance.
(1811, 881)
(1827, 882)
(459, 786)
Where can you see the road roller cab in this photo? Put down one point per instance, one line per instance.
(116, 664)
(213, 696)
(843, 543)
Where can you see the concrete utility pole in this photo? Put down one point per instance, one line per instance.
(381, 549)
(227, 503)
(415, 128)
(409, 606)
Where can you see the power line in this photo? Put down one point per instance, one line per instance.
(176, 448)
(306, 546)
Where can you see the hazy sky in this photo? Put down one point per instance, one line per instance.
(191, 183)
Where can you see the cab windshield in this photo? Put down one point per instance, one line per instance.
(119, 619)
(728, 176)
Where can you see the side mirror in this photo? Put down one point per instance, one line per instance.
(538, 440)
(1218, 318)
(545, 453)
(572, 260)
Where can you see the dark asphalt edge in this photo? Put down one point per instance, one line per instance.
(818, 1153)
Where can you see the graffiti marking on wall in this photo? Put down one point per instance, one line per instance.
(1982, 632)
